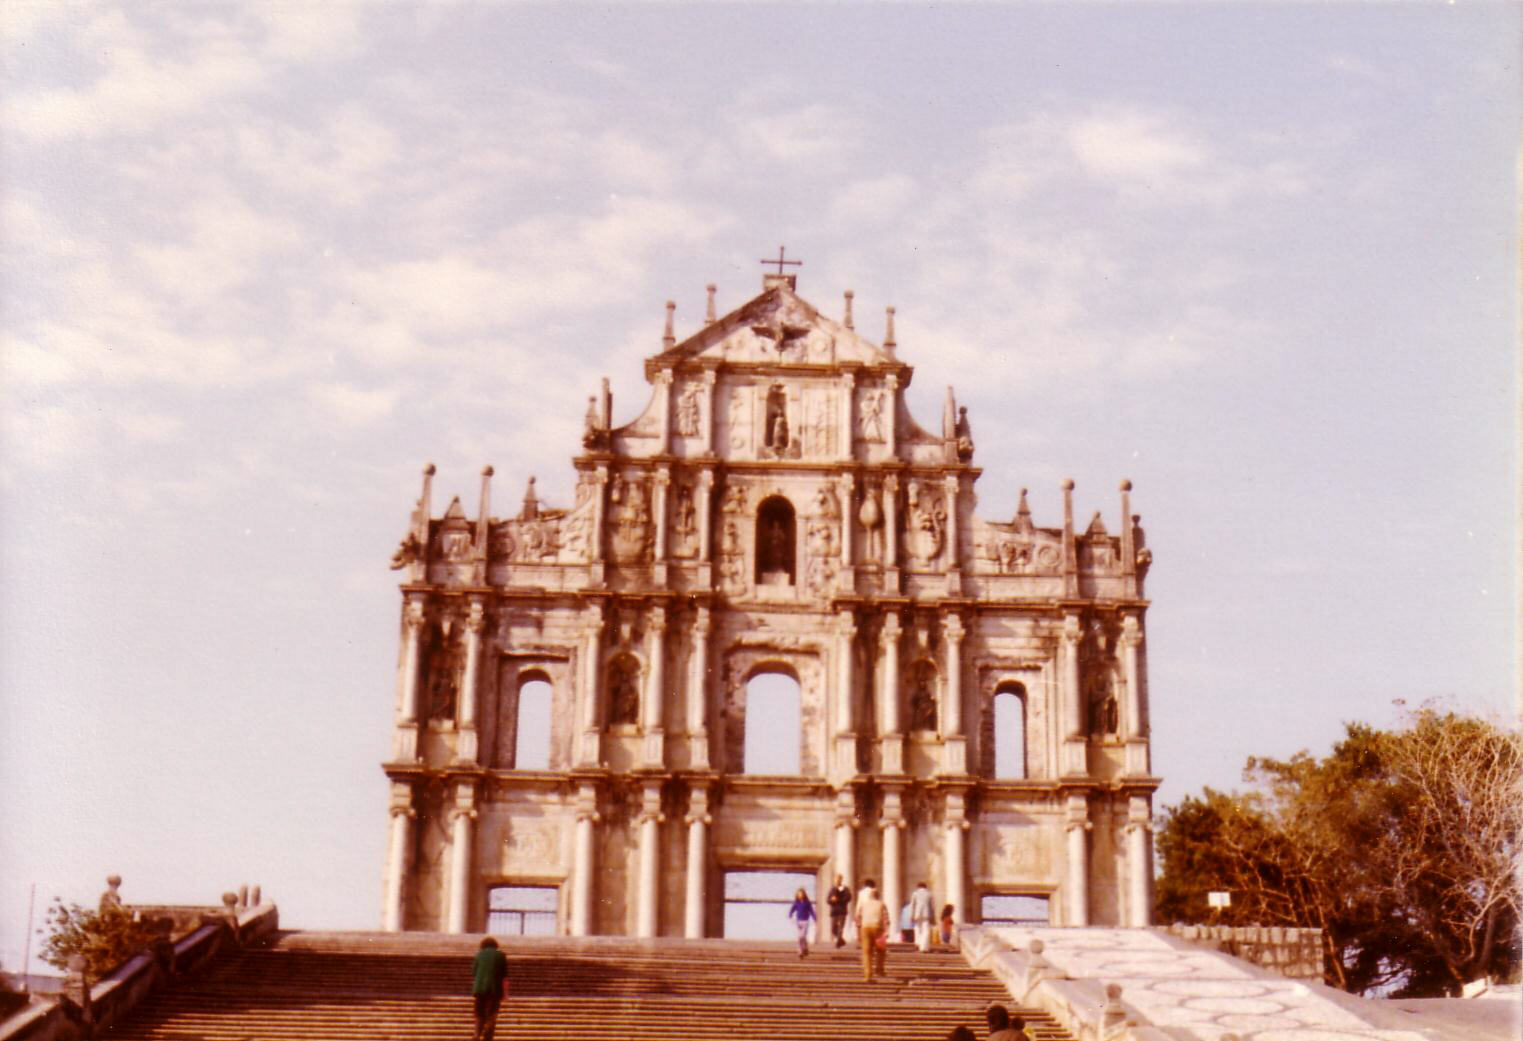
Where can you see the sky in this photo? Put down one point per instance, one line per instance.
(260, 263)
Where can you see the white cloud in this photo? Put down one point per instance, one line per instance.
(133, 88)
(1134, 146)
(874, 199)
(354, 406)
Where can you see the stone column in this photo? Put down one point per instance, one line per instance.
(697, 692)
(893, 860)
(846, 708)
(848, 493)
(462, 840)
(846, 839)
(1073, 751)
(891, 740)
(1131, 642)
(663, 484)
(664, 410)
(704, 503)
(954, 557)
(590, 749)
(654, 693)
(891, 534)
(709, 426)
(956, 884)
(647, 899)
(698, 821)
(848, 399)
(891, 414)
(470, 680)
(955, 744)
(414, 617)
(599, 522)
(583, 865)
(1139, 862)
(1078, 860)
(399, 843)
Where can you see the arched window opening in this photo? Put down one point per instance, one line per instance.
(774, 542)
(624, 690)
(772, 724)
(923, 696)
(532, 748)
(522, 910)
(1010, 731)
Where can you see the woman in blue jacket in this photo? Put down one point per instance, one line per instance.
(802, 913)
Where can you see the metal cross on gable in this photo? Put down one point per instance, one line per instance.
(779, 261)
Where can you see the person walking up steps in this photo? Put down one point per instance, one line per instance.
(489, 985)
(802, 913)
(839, 902)
(872, 927)
(1002, 1027)
(922, 914)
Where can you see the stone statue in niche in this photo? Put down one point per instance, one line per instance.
(689, 410)
(629, 520)
(444, 658)
(925, 524)
(624, 690)
(870, 515)
(685, 523)
(923, 696)
(870, 416)
(1104, 711)
(776, 430)
(774, 548)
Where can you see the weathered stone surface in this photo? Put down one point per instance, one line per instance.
(773, 509)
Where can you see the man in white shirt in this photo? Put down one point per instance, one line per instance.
(922, 913)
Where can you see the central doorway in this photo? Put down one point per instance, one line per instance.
(756, 903)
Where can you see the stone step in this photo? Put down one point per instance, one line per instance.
(361, 986)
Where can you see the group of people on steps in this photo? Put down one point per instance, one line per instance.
(865, 911)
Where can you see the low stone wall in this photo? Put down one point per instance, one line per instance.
(1111, 984)
(118, 993)
(1294, 953)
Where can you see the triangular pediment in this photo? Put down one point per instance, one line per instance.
(777, 327)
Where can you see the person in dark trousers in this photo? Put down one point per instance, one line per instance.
(489, 985)
(839, 902)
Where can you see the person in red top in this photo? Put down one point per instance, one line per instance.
(489, 985)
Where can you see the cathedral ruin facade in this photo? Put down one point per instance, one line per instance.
(969, 696)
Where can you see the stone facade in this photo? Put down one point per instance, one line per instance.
(774, 509)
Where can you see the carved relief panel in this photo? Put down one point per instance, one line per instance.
(925, 523)
(629, 519)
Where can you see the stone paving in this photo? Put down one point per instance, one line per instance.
(1178, 987)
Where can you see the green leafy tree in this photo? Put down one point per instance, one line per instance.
(1400, 846)
(106, 938)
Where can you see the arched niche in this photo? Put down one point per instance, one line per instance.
(1008, 733)
(776, 533)
(532, 732)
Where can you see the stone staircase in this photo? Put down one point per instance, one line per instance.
(415, 986)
